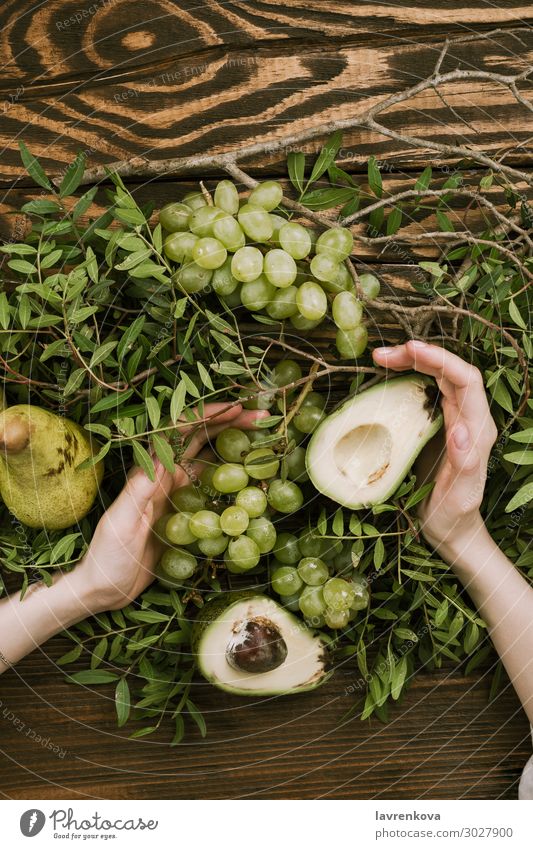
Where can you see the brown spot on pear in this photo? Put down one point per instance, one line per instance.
(15, 435)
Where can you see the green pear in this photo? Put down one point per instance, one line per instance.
(39, 481)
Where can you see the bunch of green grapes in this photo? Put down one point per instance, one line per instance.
(227, 515)
(316, 577)
(252, 255)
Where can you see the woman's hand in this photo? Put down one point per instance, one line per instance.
(451, 512)
(123, 552)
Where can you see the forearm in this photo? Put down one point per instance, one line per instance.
(43, 612)
(504, 600)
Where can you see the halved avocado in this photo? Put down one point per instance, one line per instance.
(360, 454)
(250, 645)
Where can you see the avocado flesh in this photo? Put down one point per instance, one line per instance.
(304, 667)
(360, 454)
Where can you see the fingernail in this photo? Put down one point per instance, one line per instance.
(383, 351)
(461, 437)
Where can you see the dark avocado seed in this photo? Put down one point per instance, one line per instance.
(257, 646)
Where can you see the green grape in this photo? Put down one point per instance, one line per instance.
(176, 565)
(177, 529)
(280, 268)
(233, 300)
(263, 533)
(231, 444)
(253, 500)
(295, 468)
(342, 282)
(193, 278)
(308, 418)
(213, 547)
(336, 618)
(347, 311)
(294, 435)
(179, 246)
(230, 477)
(234, 520)
(295, 239)
(286, 549)
(285, 496)
(336, 243)
(285, 580)
(205, 524)
(160, 527)
(313, 571)
(285, 372)
(223, 281)
(261, 463)
(267, 195)
(283, 304)
(175, 217)
(194, 200)
(257, 294)
(229, 232)
(263, 399)
(206, 479)
(291, 602)
(351, 343)
(311, 602)
(277, 222)
(209, 252)
(310, 544)
(188, 498)
(369, 286)
(338, 594)
(314, 399)
(324, 268)
(256, 222)
(247, 264)
(311, 301)
(361, 594)
(242, 554)
(202, 220)
(226, 197)
(301, 323)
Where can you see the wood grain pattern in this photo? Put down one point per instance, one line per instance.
(217, 102)
(443, 742)
(167, 78)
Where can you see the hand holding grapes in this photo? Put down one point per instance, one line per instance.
(120, 561)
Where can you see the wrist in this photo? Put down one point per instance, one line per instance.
(465, 543)
(75, 599)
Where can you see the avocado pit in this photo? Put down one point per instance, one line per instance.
(256, 646)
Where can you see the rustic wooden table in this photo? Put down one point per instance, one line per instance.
(119, 80)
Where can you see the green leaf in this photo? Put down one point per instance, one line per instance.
(5, 312)
(338, 523)
(177, 401)
(93, 676)
(521, 458)
(70, 656)
(50, 259)
(326, 156)
(197, 717)
(180, 730)
(92, 265)
(143, 459)
(444, 221)
(205, 377)
(22, 266)
(41, 207)
(424, 180)
(394, 221)
(122, 701)
(374, 177)
(34, 168)
(130, 335)
(134, 259)
(523, 496)
(113, 399)
(73, 175)
(84, 203)
(418, 576)
(398, 678)
(92, 461)
(18, 248)
(99, 652)
(523, 435)
(133, 217)
(514, 313)
(296, 169)
(102, 353)
(74, 382)
(326, 198)
(501, 395)
(153, 410)
(164, 452)
(379, 553)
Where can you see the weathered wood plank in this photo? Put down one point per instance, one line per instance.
(59, 40)
(220, 102)
(443, 742)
